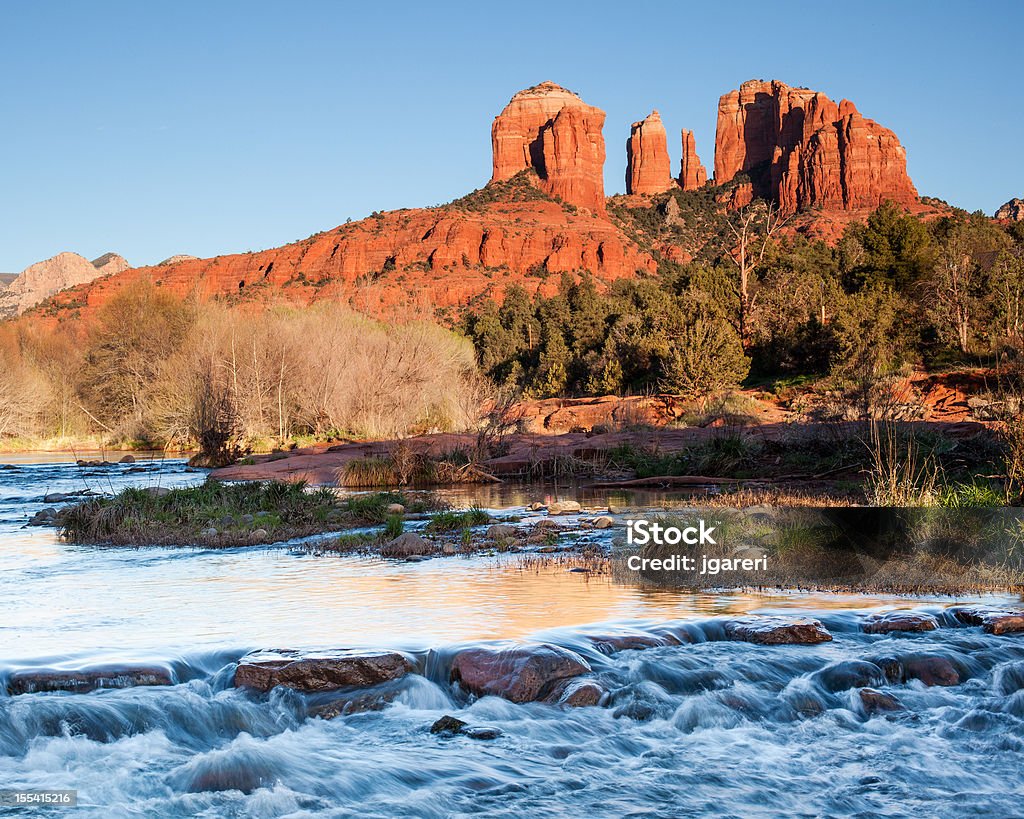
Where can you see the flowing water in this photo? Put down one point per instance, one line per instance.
(711, 728)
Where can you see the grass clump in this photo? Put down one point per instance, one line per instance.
(368, 472)
(225, 514)
(451, 521)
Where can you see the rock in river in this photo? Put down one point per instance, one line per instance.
(886, 622)
(930, 669)
(309, 671)
(408, 544)
(874, 701)
(992, 620)
(520, 673)
(563, 507)
(776, 630)
(79, 681)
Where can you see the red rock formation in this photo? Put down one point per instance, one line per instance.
(404, 260)
(692, 174)
(550, 130)
(802, 150)
(648, 168)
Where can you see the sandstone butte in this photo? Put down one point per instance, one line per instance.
(648, 168)
(802, 150)
(543, 212)
(692, 174)
(551, 131)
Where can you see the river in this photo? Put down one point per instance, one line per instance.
(713, 728)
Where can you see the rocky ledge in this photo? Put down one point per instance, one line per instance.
(303, 671)
(83, 680)
(776, 630)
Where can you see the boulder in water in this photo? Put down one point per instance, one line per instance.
(408, 544)
(776, 630)
(309, 671)
(930, 669)
(563, 507)
(992, 620)
(501, 531)
(520, 673)
(847, 674)
(889, 621)
(582, 693)
(449, 726)
(874, 701)
(80, 681)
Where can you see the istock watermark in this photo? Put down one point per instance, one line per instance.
(684, 548)
(644, 532)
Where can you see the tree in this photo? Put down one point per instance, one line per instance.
(753, 229)
(955, 285)
(704, 352)
(893, 248)
(135, 334)
(1007, 293)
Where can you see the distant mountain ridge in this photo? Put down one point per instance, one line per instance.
(39, 281)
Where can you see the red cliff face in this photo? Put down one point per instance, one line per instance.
(401, 263)
(692, 174)
(552, 131)
(648, 168)
(802, 150)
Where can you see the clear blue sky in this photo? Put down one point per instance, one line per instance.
(213, 127)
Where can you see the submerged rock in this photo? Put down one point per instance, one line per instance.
(521, 673)
(357, 702)
(898, 621)
(80, 681)
(612, 643)
(776, 630)
(992, 620)
(848, 674)
(930, 669)
(874, 701)
(308, 671)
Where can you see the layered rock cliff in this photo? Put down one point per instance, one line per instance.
(405, 262)
(551, 131)
(803, 150)
(648, 168)
(41, 280)
(692, 174)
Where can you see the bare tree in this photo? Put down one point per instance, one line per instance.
(753, 230)
(955, 283)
